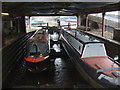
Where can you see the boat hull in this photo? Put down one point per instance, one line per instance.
(86, 71)
(39, 66)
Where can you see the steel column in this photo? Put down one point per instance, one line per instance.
(86, 22)
(18, 23)
(103, 23)
(23, 25)
(78, 21)
(69, 26)
(29, 26)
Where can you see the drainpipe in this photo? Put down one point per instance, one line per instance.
(103, 23)
(86, 22)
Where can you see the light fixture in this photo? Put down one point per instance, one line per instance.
(5, 13)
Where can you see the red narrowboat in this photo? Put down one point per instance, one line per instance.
(38, 51)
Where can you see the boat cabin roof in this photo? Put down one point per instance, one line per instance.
(85, 39)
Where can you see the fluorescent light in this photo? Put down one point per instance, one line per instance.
(5, 13)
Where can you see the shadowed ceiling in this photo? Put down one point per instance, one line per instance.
(57, 8)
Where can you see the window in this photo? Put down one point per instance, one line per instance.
(94, 49)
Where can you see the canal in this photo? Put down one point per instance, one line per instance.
(61, 74)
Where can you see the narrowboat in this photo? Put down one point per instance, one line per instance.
(91, 60)
(38, 51)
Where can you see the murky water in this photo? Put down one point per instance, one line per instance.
(61, 74)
